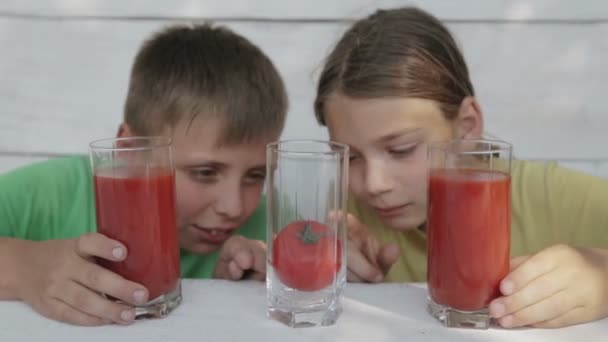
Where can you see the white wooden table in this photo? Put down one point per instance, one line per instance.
(216, 310)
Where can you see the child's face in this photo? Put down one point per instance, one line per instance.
(388, 166)
(217, 187)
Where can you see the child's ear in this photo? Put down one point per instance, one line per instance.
(124, 131)
(469, 122)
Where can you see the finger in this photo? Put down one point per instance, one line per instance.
(91, 303)
(244, 259)
(361, 267)
(534, 292)
(388, 256)
(258, 249)
(530, 269)
(516, 262)
(65, 313)
(252, 256)
(574, 316)
(356, 232)
(101, 280)
(232, 247)
(234, 271)
(545, 310)
(371, 250)
(353, 278)
(94, 244)
(354, 226)
(226, 267)
(335, 215)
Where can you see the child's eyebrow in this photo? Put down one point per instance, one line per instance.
(398, 134)
(258, 168)
(222, 166)
(208, 163)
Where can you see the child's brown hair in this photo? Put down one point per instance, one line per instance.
(403, 52)
(185, 72)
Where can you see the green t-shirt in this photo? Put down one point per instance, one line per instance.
(54, 200)
(549, 205)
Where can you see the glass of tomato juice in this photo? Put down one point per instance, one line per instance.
(306, 232)
(469, 225)
(134, 182)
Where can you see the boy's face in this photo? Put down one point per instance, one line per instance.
(217, 187)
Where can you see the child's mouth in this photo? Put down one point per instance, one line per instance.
(214, 236)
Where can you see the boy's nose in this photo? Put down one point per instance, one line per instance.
(230, 204)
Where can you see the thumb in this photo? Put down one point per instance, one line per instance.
(389, 254)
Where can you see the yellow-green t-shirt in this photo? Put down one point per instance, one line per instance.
(550, 205)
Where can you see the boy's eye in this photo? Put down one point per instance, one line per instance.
(203, 174)
(255, 177)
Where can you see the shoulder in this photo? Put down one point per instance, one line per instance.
(551, 179)
(53, 183)
(67, 167)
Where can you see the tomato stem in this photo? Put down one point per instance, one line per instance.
(308, 236)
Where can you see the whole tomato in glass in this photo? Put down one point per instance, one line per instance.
(306, 255)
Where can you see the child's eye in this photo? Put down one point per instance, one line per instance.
(403, 151)
(203, 175)
(255, 177)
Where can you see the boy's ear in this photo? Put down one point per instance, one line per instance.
(124, 131)
(469, 122)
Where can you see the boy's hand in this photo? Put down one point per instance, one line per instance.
(368, 260)
(241, 258)
(556, 287)
(60, 280)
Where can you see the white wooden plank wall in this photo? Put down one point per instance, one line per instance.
(540, 66)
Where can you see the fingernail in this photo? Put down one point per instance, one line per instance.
(118, 252)
(497, 310)
(378, 278)
(139, 296)
(507, 287)
(127, 315)
(506, 322)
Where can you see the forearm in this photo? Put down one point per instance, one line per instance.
(10, 252)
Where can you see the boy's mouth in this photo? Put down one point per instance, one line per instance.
(213, 236)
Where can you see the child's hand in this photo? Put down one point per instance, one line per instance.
(241, 258)
(368, 260)
(60, 280)
(556, 287)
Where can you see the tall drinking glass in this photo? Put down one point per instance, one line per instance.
(469, 220)
(134, 183)
(306, 256)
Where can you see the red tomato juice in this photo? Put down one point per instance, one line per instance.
(468, 236)
(138, 209)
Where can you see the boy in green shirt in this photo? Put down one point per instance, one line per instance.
(221, 100)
